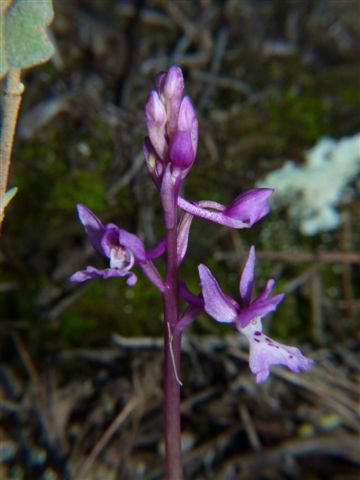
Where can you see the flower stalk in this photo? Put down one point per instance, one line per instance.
(172, 347)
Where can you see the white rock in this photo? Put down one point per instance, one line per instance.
(311, 192)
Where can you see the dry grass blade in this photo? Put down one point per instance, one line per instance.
(105, 438)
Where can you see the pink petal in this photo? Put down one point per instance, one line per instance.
(257, 308)
(93, 227)
(218, 305)
(251, 206)
(267, 289)
(133, 243)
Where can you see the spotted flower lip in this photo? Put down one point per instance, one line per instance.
(264, 351)
(123, 249)
(247, 208)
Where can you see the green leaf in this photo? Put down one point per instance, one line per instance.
(24, 41)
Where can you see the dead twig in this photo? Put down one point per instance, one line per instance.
(105, 438)
(250, 428)
(220, 81)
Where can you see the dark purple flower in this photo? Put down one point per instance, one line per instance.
(247, 208)
(123, 249)
(264, 351)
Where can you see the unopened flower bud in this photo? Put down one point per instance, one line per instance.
(155, 110)
(181, 152)
(187, 121)
(174, 83)
(159, 81)
(156, 122)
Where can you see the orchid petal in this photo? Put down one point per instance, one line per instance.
(153, 275)
(91, 272)
(258, 308)
(267, 289)
(110, 238)
(217, 217)
(247, 277)
(156, 120)
(156, 251)
(186, 319)
(134, 244)
(190, 298)
(218, 305)
(93, 227)
(247, 209)
(251, 206)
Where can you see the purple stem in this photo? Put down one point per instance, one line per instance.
(172, 348)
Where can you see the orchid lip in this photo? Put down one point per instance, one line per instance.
(121, 258)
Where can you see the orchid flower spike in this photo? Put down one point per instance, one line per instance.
(123, 249)
(264, 351)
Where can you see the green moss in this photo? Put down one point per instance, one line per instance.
(286, 322)
(295, 116)
(82, 187)
(350, 94)
(74, 328)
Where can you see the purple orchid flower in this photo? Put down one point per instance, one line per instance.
(247, 208)
(264, 351)
(122, 248)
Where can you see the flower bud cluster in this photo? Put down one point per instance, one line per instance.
(172, 126)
